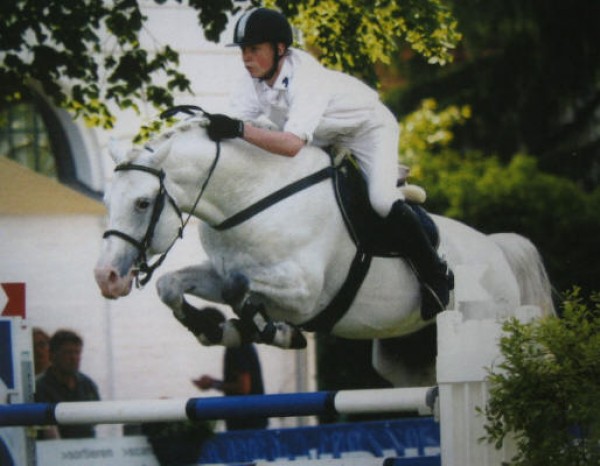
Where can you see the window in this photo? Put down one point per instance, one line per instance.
(24, 138)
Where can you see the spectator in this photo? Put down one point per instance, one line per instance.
(242, 375)
(62, 381)
(41, 351)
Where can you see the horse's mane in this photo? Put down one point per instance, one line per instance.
(164, 136)
(197, 121)
(302, 165)
(177, 128)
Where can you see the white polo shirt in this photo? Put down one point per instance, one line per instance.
(318, 105)
(326, 107)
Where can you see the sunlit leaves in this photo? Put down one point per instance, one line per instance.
(57, 45)
(355, 35)
(427, 129)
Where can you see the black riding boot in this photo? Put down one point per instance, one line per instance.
(435, 277)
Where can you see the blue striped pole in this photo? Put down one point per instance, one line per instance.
(418, 399)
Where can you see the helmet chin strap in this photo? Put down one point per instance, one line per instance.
(276, 59)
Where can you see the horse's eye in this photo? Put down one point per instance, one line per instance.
(142, 204)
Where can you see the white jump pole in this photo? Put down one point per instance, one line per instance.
(419, 400)
(467, 346)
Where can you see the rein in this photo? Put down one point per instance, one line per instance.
(274, 198)
(142, 245)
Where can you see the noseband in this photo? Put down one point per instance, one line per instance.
(141, 262)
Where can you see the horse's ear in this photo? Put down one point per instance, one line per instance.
(157, 155)
(116, 151)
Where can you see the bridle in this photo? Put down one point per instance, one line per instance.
(162, 196)
(142, 245)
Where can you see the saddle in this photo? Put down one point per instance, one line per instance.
(370, 232)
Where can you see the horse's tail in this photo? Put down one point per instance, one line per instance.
(526, 263)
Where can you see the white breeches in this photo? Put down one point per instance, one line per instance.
(375, 147)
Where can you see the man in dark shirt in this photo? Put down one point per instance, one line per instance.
(62, 381)
(242, 375)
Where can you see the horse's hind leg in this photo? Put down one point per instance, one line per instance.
(407, 361)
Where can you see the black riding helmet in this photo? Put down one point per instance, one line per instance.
(262, 25)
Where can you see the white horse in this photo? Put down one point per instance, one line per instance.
(281, 267)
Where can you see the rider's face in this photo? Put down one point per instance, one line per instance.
(258, 59)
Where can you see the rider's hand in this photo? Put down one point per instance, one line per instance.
(224, 127)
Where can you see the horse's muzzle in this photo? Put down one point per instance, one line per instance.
(111, 284)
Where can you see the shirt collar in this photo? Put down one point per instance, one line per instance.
(283, 80)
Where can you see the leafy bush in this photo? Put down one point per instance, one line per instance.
(546, 392)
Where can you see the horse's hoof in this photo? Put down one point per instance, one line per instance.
(298, 340)
(235, 289)
(213, 319)
(206, 322)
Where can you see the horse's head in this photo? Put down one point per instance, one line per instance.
(143, 220)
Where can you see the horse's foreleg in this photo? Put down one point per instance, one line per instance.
(211, 328)
(254, 319)
(198, 280)
(274, 333)
(208, 325)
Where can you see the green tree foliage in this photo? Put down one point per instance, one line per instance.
(355, 35)
(530, 70)
(85, 55)
(559, 217)
(546, 393)
(56, 46)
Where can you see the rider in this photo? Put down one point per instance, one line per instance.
(312, 104)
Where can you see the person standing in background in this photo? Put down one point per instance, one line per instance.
(41, 350)
(242, 375)
(63, 382)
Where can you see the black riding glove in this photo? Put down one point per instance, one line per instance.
(223, 127)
